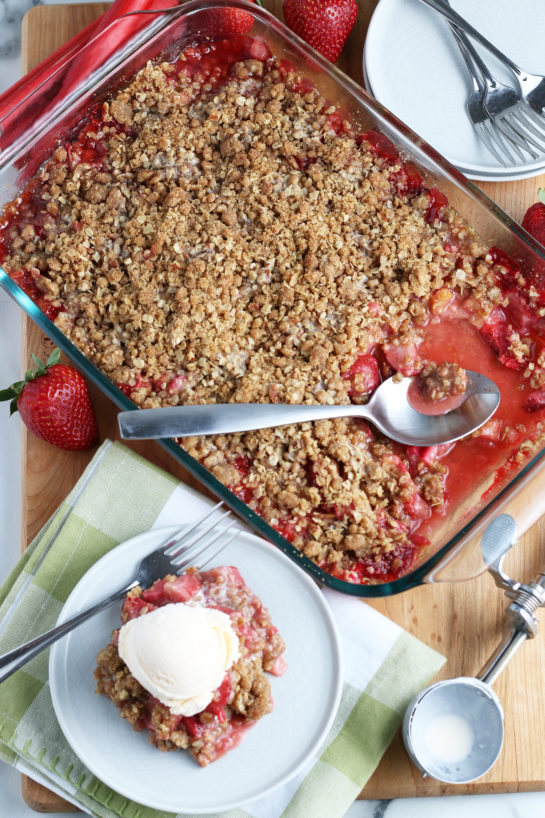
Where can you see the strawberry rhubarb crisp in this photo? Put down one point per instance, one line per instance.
(219, 232)
(189, 662)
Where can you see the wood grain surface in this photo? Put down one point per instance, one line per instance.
(462, 620)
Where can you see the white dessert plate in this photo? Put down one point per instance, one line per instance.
(273, 751)
(413, 66)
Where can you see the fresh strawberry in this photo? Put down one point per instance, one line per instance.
(534, 218)
(226, 22)
(54, 404)
(324, 24)
(534, 269)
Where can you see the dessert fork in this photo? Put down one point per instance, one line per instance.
(174, 554)
(479, 117)
(531, 86)
(502, 123)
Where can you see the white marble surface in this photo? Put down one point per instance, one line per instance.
(11, 802)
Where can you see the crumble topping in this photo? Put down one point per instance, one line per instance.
(236, 241)
(440, 381)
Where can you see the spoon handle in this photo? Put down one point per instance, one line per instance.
(184, 421)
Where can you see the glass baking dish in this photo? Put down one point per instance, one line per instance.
(34, 126)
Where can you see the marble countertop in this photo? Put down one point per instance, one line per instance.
(11, 802)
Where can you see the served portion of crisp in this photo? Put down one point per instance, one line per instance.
(189, 662)
(219, 232)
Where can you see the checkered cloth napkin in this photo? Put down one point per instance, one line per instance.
(384, 666)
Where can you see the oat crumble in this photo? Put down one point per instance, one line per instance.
(233, 240)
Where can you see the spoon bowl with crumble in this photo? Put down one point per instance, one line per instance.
(440, 405)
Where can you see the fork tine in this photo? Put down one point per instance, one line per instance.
(537, 137)
(180, 539)
(526, 141)
(516, 138)
(510, 142)
(202, 544)
(218, 551)
(502, 143)
(486, 138)
(184, 560)
(182, 546)
(537, 119)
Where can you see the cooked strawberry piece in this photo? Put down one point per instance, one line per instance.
(193, 726)
(155, 593)
(385, 568)
(288, 529)
(534, 269)
(419, 540)
(519, 312)
(498, 333)
(437, 203)
(380, 145)
(244, 493)
(375, 308)
(278, 667)
(509, 269)
(535, 400)
(177, 383)
(491, 431)
(407, 180)
(182, 589)
(337, 122)
(403, 358)
(339, 512)
(242, 463)
(364, 375)
(229, 573)
(221, 697)
(428, 454)
(259, 50)
(416, 507)
(133, 606)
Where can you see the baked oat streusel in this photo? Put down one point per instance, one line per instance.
(219, 233)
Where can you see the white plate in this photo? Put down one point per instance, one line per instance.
(306, 697)
(415, 69)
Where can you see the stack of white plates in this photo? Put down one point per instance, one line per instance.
(412, 65)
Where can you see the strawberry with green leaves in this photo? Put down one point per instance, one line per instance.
(54, 404)
(323, 24)
(534, 218)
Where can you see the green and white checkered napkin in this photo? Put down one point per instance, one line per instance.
(384, 666)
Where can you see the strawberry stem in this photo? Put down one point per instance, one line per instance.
(13, 392)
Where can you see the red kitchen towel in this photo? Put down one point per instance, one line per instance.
(108, 32)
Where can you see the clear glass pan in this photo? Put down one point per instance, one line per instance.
(27, 138)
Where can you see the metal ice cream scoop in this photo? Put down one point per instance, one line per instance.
(453, 730)
(389, 409)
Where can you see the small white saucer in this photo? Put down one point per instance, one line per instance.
(413, 66)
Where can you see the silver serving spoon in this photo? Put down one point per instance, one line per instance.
(389, 410)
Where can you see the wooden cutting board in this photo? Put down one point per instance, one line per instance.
(463, 621)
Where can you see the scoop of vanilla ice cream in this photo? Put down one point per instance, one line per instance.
(179, 654)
